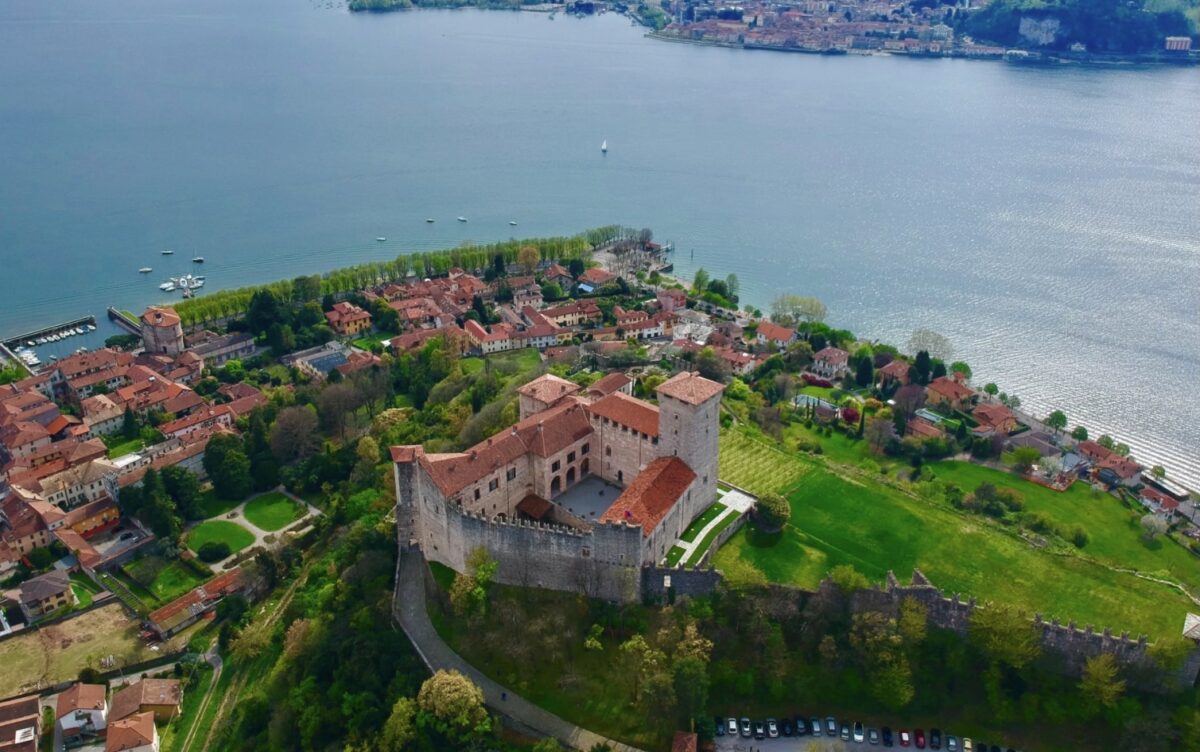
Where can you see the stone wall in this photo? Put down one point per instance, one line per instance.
(666, 584)
(620, 453)
(1068, 643)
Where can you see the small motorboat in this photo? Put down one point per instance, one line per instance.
(380, 239)
(167, 286)
(91, 327)
(512, 223)
(168, 253)
(145, 270)
(198, 260)
(429, 220)
(462, 219)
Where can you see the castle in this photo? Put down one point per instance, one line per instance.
(587, 489)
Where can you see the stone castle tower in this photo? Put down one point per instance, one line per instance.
(162, 331)
(689, 428)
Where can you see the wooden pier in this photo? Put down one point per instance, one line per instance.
(21, 339)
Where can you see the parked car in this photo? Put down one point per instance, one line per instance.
(858, 732)
(814, 726)
(719, 726)
(872, 736)
(831, 726)
(885, 734)
(801, 726)
(905, 738)
(967, 744)
(772, 728)
(731, 727)
(760, 730)
(919, 738)
(785, 728)
(952, 744)
(746, 730)
(935, 738)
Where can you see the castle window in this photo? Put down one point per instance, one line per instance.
(510, 474)
(607, 451)
(554, 468)
(654, 441)
(476, 494)
(493, 484)
(570, 457)
(583, 449)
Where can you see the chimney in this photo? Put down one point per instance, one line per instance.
(474, 454)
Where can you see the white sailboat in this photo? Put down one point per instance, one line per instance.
(604, 147)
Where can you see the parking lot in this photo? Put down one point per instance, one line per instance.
(783, 744)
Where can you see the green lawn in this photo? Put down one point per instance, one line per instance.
(698, 524)
(125, 447)
(272, 511)
(365, 342)
(471, 365)
(215, 507)
(875, 528)
(164, 579)
(699, 551)
(236, 536)
(674, 555)
(83, 596)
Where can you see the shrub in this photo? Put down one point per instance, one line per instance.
(772, 511)
(213, 551)
(1079, 537)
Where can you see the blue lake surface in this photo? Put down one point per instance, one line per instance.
(1046, 220)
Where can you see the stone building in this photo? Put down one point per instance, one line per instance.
(578, 495)
(162, 331)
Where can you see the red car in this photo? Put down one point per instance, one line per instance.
(905, 738)
(920, 735)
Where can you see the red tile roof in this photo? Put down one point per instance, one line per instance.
(156, 316)
(613, 382)
(627, 411)
(548, 388)
(832, 355)
(690, 387)
(896, 369)
(130, 732)
(129, 700)
(196, 599)
(82, 697)
(774, 332)
(652, 494)
(950, 389)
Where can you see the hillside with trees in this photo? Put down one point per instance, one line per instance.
(1109, 26)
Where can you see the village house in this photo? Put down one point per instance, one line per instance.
(1110, 467)
(20, 724)
(994, 420)
(610, 383)
(894, 372)
(830, 363)
(770, 333)
(215, 350)
(134, 733)
(243, 398)
(949, 393)
(1159, 503)
(348, 319)
(671, 299)
(190, 607)
(455, 337)
(162, 697)
(573, 314)
(596, 277)
(560, 276)
(45, 594)
(81, 713)
(201, 420)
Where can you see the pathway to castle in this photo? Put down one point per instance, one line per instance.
(408, 608)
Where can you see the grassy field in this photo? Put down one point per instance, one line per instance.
(83, 596)
(173, 734)
(272, 511)
(57, 652)
(125, 447)
(365, 342)
(236, 536)
(855, 519)
(164, 580)
(699, 551)
(471, 365)
(215, 507)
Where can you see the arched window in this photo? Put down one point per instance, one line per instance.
(570, 476)
(555, 486)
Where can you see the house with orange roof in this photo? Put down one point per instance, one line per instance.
(831, 363)
(994, 420)
(770, 333)
(947, 392)
(134, 733)
(894, 372)
(348, 319)
(81, 713)
(197, 603)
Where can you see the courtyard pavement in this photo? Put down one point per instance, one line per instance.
(589, 498)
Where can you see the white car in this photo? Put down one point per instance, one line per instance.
(772, 728)
(731, 727)
(968, 745)
(858, 732)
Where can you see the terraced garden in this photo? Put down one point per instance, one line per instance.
(219, 531)
(272, 511)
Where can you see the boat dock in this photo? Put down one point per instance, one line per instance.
(123, 322)
(56, 330)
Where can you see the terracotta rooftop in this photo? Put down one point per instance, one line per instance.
(130, 732)
(196, 599)
(613, 382)
(534, 506)
(155, 316)
(834, 355)
(652, 494)
(774, 332)
(628, 411)
(993, 414)
(82, 697)
(690, 387)
(548, 389)
(684, 741)
(895, 369)
(130, 700)
(950, 389)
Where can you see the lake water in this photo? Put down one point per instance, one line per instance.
(1047, 220)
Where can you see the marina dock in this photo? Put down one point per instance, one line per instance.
(122, 320)
(56, 330)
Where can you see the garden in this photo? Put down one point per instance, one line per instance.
(272, 511)
(224, 532)
(164, 579)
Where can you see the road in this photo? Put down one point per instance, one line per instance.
(784, 744)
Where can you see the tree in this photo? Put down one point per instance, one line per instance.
(294, 435)
(700, 280)
(772, 511)
(576, 267)
(552, 291)
(1057, 420)
(549, 744)
(228, 466)
(1079, 433)
(924, 365)
(645, 663)
(213, 551)
(454, 702)
(183, 487)
(334, 405)
(1101, 686)
(791, 309)
(1004, 635)
(864, 372)
(1022, 459)
(690, 678)
(529, 257)
(848, 579)
(931, 342)
(878, 432)
(1158, 471)
(400, 728)
(130, 428)
(732, 286)
(1153, 526)
(710, 366)
(960, 366)
(1106, 441)
(991, 389)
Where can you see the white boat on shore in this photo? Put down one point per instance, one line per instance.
(167, 286)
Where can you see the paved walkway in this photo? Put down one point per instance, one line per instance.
(736, 503)
(408, 609)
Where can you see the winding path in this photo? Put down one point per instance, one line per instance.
(408, 608)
